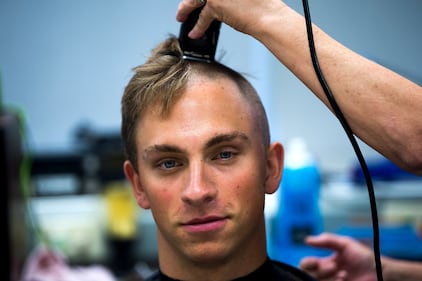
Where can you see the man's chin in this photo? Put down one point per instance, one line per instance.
(209, 256)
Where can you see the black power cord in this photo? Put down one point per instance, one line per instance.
(351, 137)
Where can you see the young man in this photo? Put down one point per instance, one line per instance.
(199, 156)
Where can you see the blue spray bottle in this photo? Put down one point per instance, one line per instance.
(298, 213)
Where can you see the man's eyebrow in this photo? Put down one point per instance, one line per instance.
(161, 148)
(220, 138)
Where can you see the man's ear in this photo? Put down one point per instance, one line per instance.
(275, 164)
(135, 182)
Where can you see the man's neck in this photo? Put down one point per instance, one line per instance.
(220, 272)
(250, 258)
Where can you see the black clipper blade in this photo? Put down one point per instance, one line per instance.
(201, 49)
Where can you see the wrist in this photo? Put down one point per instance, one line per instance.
(392, 269)
(271, 21)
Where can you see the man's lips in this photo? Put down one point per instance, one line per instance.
(205, 224)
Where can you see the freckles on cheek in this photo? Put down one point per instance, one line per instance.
(240, 193)
(165, 194)
(160, 197)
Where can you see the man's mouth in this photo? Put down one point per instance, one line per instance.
(205, 224)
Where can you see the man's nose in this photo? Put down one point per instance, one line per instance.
(200, 186)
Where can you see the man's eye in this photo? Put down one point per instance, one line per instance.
(168, 164)
(225, 155)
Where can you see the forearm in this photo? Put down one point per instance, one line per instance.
(383, 108)
(398, 270)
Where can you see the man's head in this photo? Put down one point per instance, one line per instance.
(197, 139)
(160, 81)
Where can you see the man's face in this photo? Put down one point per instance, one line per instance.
(202, 171)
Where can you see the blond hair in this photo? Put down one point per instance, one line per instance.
(161, 80)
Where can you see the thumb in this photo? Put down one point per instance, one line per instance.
(308, 263)
(327, 241)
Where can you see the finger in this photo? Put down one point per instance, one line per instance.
(204, 21)
(185, 8)
(327, 240)
(320, 268)
(308, 263)
(327, 271)
(342, 275)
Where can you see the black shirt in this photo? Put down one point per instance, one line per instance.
(269, 271)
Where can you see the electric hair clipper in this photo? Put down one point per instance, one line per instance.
(201, 49)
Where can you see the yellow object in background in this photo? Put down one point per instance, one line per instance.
(122, 211)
